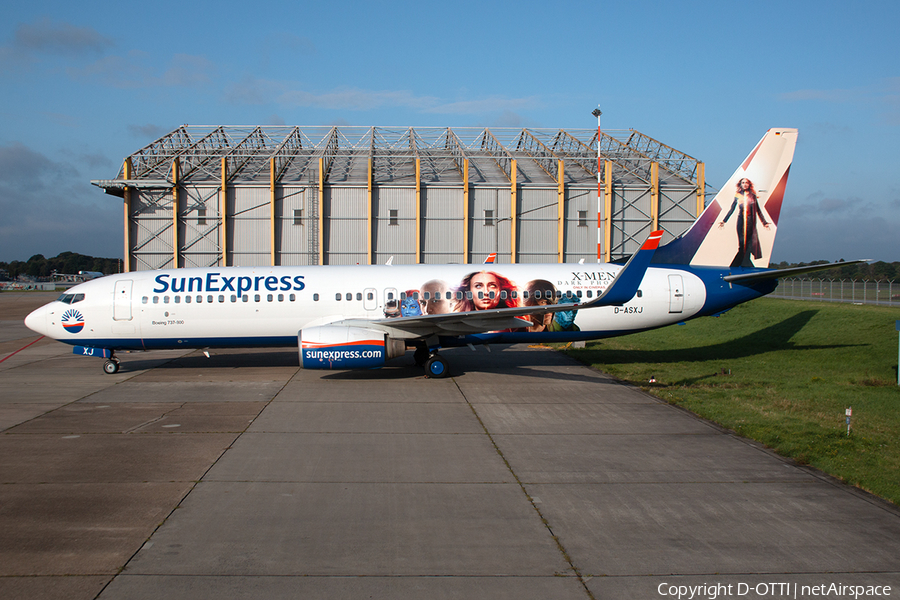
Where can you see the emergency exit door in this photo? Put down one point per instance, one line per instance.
(676, 294)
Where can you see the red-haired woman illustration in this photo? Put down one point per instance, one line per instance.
(748, 239)
(483, 290)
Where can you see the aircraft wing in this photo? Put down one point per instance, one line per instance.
(789, 272)
(622, 289)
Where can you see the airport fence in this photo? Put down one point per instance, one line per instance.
(882, 292)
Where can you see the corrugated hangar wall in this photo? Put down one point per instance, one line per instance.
(226, 196)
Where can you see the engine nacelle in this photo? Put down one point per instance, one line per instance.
(342, 347)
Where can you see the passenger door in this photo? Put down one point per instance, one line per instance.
(122, 302)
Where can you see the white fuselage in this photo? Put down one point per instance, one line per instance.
(268, 306)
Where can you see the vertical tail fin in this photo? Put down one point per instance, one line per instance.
(738, 227)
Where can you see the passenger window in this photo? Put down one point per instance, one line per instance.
(165, 299)
(480, 295)
(281, 297)
(390, 295)
(337, 296)
(492, 294)
(359, 296)
(426, 296)
(245, 298)
(503, 295)
(369, 296)
(144, 300)
(525, 294)
(315, 297)
(155, 299)
(292, 297)
(349, 296)
(256, 298)
(469, 295)
(537, 294)
(199, 299)
(187, 299)
(177, 299)
(640, 294)
(221, 297)
(403, 295)
(578, 293)
(268, 297)
(209, 298)
(590, 294)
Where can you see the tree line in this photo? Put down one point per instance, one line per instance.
(66, 262)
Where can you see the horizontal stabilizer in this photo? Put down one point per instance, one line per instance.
(790, 272)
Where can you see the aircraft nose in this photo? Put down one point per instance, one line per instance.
(37, 320)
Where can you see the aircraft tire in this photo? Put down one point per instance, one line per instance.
(111, 367)
(436, 367)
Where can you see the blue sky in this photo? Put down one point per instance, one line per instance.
(85, 85)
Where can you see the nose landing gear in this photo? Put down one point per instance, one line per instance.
(111, 366)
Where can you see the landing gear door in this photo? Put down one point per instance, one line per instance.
(122, 303)
(676, 294)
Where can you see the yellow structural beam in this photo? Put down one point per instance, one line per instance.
(418, 208)
(370, 204)
(272, 210)
(126, 266)
(466, 210)
(654, 195)
(175, 176)
(321, 222)
(223, 211)
(701, 187)
(561, 211)
(513, 204)
(607, 207)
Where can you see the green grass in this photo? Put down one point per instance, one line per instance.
(781, 372)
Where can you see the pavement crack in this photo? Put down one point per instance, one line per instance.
(534, 504)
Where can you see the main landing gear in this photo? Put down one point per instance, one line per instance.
(434, 363)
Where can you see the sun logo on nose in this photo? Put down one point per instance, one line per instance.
(72, 321)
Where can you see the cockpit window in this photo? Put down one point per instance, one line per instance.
(70, 298)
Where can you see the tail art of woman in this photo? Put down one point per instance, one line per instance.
(748, 239)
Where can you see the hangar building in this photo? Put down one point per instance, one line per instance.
(206, 196)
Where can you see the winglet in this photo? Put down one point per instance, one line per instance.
(625, 285)
(490, 258)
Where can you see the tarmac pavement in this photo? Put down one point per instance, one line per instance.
(524, 475)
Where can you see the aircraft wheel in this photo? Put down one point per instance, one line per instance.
(111, 367)
(436, 367)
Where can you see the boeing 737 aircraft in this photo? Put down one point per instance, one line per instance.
(345, 317)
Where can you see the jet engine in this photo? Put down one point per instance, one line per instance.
(343, 347)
